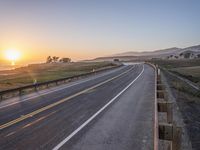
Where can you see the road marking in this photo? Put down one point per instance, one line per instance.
(57, 89)
(10, 134)
(97, 113)
(59, 102)
(40, 119)
(32, 123)
(90, 91)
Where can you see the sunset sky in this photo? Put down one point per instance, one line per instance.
(84, 29)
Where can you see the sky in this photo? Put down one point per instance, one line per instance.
(85, 29)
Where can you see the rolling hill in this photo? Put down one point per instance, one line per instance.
(170, 53)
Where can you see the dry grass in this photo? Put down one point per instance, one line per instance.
(194, 71)
(191, 73)
(169, 64)
(188, 101)
(45, 72)
(189, 69)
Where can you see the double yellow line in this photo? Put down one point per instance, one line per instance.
(8, 124)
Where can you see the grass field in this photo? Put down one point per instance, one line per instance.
(46, 72)
(189, 69)
(191, 73)
(169, 64)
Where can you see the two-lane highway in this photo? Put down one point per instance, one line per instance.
(110, 111)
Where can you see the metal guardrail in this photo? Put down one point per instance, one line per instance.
(167, 130)
(20, 90)
(155, 130)
(164, 130)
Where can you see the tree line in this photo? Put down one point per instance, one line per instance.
(186, 55)
(55, 59)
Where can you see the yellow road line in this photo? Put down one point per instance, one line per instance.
(40, 119)
(10, 134)
(8, 124)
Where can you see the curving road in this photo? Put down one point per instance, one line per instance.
(109, 111)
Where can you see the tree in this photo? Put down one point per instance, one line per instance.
(49, 59)
(116, 60)
(187, 55)
(176, 57)
(65, 60)
(55, 58)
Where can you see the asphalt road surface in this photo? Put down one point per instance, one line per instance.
(109, 111)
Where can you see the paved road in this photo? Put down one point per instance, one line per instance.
(111, 111)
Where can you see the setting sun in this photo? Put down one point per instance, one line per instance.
(12, 55)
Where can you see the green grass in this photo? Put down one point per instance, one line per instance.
(46, 72)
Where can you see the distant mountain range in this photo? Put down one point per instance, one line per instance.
(170, 53)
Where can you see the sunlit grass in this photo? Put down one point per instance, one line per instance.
(46, 72)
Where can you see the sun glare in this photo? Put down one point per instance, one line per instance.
(12, 55)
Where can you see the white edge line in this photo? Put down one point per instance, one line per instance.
(51, 91)
(97, 113)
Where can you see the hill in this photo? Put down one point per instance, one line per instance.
(169, 53)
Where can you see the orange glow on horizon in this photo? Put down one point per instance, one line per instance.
(23, 55)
